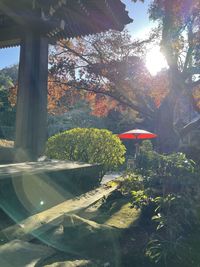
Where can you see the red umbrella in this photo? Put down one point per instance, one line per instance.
(137, 134)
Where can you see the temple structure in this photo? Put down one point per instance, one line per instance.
(34, 24)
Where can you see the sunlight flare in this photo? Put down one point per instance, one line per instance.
(155, 61)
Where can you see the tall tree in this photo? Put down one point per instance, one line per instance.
(179, 22)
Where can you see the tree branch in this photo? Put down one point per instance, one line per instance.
(76, 53)
(187, 59)
(192, 71)
(194, 84)
(118, 97)
(195, 124)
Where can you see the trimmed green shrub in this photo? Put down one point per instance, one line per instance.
(88, 145)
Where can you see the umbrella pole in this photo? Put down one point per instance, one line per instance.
(136, 150)
(136, 147)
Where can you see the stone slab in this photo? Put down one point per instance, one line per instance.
(41, 222)
(18, 253)
(17, 169)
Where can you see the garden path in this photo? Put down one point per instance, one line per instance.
(39, 223)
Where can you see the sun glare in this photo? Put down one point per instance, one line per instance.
(155, 61)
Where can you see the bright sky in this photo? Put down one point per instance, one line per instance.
(139, 12)
(139, 28)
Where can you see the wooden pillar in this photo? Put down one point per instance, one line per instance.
(31, 115)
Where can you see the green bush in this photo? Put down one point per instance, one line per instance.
(131, 182)
(166, 188)
(147, 160)
(88, 145)
(173, 187)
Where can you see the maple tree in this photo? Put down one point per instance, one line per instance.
(106, 70)
(60, 97)
(109, 71)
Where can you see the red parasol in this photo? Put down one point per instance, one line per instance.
(137, 134)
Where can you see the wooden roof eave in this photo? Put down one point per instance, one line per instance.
(85, 27)
(9, 38)
(65, 23)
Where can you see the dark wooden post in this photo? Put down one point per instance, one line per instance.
(32, 98)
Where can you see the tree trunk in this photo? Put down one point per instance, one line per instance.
(168, 139)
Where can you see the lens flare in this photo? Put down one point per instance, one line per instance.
(155, 61)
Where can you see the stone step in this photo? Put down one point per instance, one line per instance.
(31, 187)
(38, 224)
(18, 169)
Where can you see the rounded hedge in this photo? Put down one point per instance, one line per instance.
(88, 145)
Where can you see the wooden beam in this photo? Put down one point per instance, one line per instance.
(32, 98)
(10, 33)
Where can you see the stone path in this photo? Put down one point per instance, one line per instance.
(26, 254)
(110, 176)
(41, 222)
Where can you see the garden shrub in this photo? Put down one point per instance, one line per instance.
(88, 145)
(131, 182)
(167, 192)
(147, 160)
